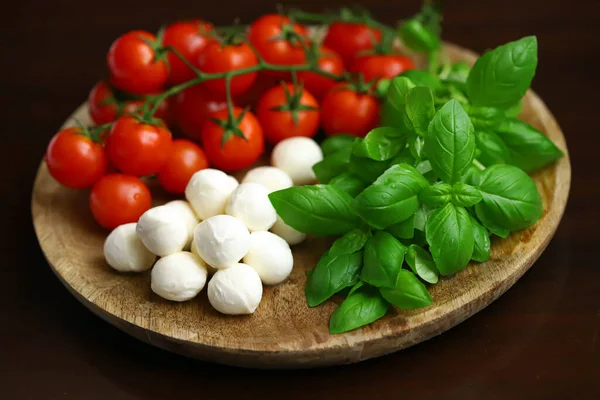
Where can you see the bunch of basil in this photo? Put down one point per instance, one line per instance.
(443, 173)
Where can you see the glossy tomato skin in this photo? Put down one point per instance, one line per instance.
(137, 148)
(254, 93)
(132, 64)
(262, 34)
(118, 199)
(379, 66)
(185, 159)
(279, 125)
(217, 57)
(345, 111)
(318, 85)
(74, 160)
(192, 107)
(237, 153)
(189, 38)
(349, 39)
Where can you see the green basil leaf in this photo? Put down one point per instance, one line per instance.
(422, 78)
(464, 195)
(381, 144)
(390, 116)
(409, 292)
(481, 251)
(450, 236)
(421, 218)
(485, 118)
(450, 143)
(501, 77)
(392, 198)
(493, 149)
(473, 176)
(398, 90)
(368, 170)
(362, 307)
(349, 183)
(332, 165)
(404, 157)
(420, 108)
(436, 195)
(510, 201)
(321, 210)
(529, 148)
(418, 37)
(383, 259)
(404, 229)
(351, 242)
(336, 143)
(459, 72)
(421, 263)
(416, 144)
(332, 274)
(354, 288)
(514, 110)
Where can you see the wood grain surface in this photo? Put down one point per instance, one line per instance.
(284, 332)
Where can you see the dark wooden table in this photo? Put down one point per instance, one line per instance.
(539, 340)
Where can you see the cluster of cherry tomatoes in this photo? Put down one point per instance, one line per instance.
(130, 141)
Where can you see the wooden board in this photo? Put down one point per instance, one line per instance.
(284, 332)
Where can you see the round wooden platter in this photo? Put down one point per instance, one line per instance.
(284, 332)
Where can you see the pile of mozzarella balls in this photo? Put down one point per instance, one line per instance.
(231, 247)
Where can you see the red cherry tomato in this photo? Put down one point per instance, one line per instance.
(279, 125)
(118, 199)
(132, 107)
(258, 88)
(192, 107)
(318, 85)
(237, 152)
(133, 65)
(217, 57)
(348, 39)
(381, 65)
(268, 35)
(185, 159)
(189, 38)
(137, 148)
(343, 110)
(74, 160)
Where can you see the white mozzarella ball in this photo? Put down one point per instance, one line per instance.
(233, 180)
(163, 230)
(208, 192)
(189, 216)
(125, 252)
(194, 250)
(235, 290)
(250, 203)
(270, 256)
(270, 177)
(287, 233)
(222, 240)
(296, 156)
(179, 276)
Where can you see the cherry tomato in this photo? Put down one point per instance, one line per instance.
(189, 38)
(133, 65)
(237, 153)
(381, 65)
(132, 107)
(74, 160)
(138, 148)
(217, 57)
(343, 110)
(279, 125)
(192, 107)
(348, 39)
(118, 199)
(272, 36)
(185, 159)
(318, 85)
(258, 88)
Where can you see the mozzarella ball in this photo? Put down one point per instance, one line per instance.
(208, 191)
(250, 203)
(270, 256)
(235, 290)
(270, 177)
(287, 233)
(296, 156)
(222, 240)
(179, 276)
(233, 180)
(163, 230)
(189, 216)
(125, 252)
(194, 250)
